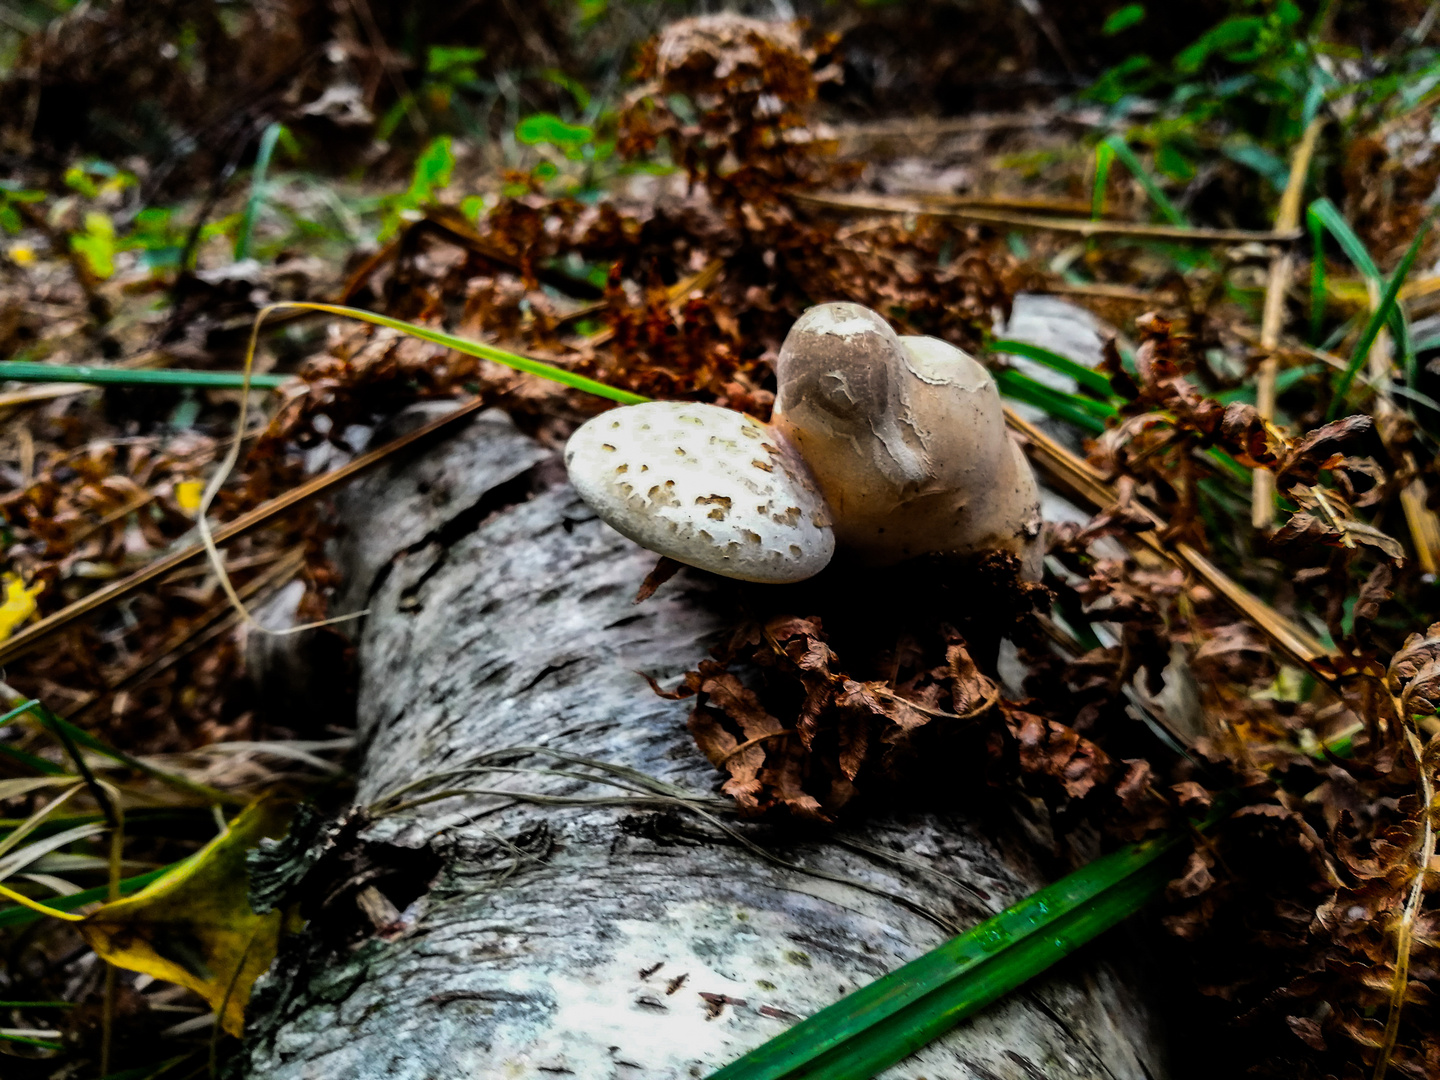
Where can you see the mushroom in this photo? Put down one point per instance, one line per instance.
(893, 447)
(906, 438)
(705, 486)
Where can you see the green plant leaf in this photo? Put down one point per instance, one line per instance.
(96, 244)
(1318, 292)
(1123, 19)
(1149, 183)
(1104, 158)
(25, 1040)
(1229, 38)
(1262, 161)
(549, 128)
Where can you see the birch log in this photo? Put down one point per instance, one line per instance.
(614, 941)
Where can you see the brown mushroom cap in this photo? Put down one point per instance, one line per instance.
(906, 438)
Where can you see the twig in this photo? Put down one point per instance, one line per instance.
(748, 743)
(1405, 931)
(1262, 498)
(1000, 202)
(892, 204)
(1052, 34)
(674, 295)
(1100, 289)
(1080, 479)
(986, 702)
(193, 636)
(933, 127)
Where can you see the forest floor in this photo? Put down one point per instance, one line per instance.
(1220, 234)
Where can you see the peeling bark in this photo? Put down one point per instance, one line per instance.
(610, 941)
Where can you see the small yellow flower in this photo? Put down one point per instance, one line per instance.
(187, 495)
(19, 603)
(22, 254)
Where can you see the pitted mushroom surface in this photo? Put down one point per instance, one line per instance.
(706, 486)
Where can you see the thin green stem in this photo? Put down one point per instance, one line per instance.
(31, 372)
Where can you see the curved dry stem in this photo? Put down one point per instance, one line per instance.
(1405, 930)
(217, 481)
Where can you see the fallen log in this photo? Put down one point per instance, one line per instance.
(602, 930)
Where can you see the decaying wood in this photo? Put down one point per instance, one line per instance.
(611, 940)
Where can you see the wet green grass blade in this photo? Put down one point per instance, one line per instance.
(1087, 414)
(29, 371)
(1152, 187)
(889, 1019)
(1377, 319)
(1086, 377)
(470, 348)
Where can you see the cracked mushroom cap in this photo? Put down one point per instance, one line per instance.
(705, 486)
(906, 438)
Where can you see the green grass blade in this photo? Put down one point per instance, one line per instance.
(888, 1019)
(1328, 215)
(901, 1035)
(25, 1040)
(39, 764)
(1377, 319)
(1086, 377)
(17, 915)
(1319, 294)
(257, 188)
(30, 761)
(64, 729)
(29, 371)
(1104, 158)
(1152, 187)
(1229, 466)
(1084, 413)
(470, 348)
(1286, 380)
(37, 1004)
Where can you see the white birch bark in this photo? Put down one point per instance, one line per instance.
(619, 944)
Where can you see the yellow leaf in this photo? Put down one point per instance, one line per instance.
(195, 926)
(187, 495)
(19, 603)
(22, 254)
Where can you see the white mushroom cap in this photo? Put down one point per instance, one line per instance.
(705, 486)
